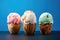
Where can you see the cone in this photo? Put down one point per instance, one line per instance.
(29, 28)
(13, 28)
(45, 28)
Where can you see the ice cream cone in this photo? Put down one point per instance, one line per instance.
(13, 21)
(29, 22)
(45, 23)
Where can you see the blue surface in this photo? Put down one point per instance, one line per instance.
(38, 6)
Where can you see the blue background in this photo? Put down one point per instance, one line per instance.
(38, 6)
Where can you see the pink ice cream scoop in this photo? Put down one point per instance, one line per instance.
(13, 18)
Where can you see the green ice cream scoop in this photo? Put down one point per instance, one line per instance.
(45, 18)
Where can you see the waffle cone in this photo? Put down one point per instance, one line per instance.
(45, 28)
(13, 28)
(29, 28)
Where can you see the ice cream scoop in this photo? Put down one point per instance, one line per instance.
(46, 18)
(29, 17)
(13, 18)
